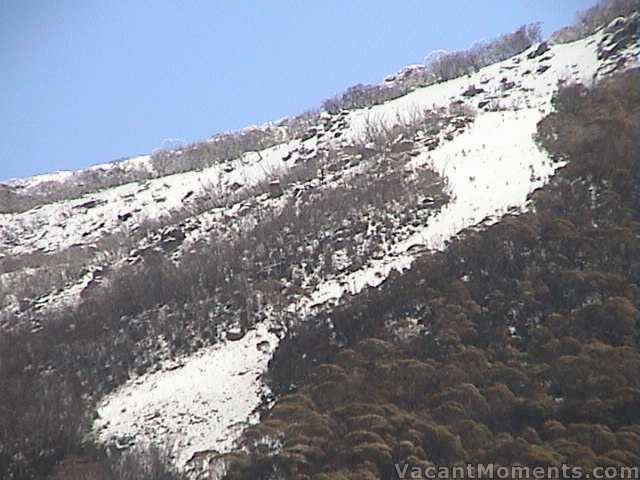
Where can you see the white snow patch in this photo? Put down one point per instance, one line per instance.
(60, 225)
(490, 168)
(575, 61)
(203, 403)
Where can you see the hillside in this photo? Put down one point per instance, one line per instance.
(439, 270)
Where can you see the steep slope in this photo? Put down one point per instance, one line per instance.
(524, 347)
(164, 294)
(490, 169)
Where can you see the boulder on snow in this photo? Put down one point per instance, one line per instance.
(309, 134)
(235, 334)
(615, 24)
(472, 91)
(541, 50)
(275, 189)
(264, 346)
(89, 204)
(401, 146)
(201, 460)
(188, 195)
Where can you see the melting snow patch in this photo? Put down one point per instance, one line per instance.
(206, 401)
(490, 168)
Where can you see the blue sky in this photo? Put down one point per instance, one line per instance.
(85, 82)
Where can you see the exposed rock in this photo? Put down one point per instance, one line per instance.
(189, 194)
(472, 91)
(89, 204)
(275, 189)
(621, 34)
(171, 239)
(235, 334)
(264, 346)
(542, 49)
(615, 24)
(432, 143)
(401, 146)
(309, 134)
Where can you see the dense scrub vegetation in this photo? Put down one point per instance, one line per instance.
(519, 344)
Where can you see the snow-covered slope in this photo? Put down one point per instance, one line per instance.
(490, 168)
(82, 221)
(490, 163)
(209, 397)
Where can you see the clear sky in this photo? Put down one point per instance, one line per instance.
(86, 82)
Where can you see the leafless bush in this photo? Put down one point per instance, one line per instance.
(455, 64)
(440, 68)
(73, 186)
(152, 464)
(302, 172)
(298, 125)
(593, 18)
(462, 110)
(39, 418)
(220, 148)
(31, 276)
(412, 77)
(196, 156)
(382, 133)
(362, 96)
(37, 283)
(12, 201)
